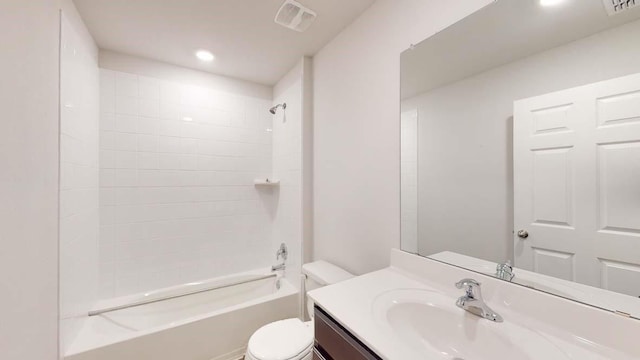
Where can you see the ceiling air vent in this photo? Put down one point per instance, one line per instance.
(618, 6)
(295, 16)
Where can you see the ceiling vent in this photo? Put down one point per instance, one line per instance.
(618, 6)
(295, 16)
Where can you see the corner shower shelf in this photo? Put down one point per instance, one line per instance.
(267, 182)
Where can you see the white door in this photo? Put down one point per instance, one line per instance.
(577, 184)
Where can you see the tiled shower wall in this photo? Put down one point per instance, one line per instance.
(177, 200)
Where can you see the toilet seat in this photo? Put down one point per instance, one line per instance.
(289, 339)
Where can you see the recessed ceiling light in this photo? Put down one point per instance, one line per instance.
(204, 55)
(551, 2)
(186, 118)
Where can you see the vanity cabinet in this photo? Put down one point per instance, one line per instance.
(334, 342)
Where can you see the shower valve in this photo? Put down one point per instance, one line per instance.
(282, 252)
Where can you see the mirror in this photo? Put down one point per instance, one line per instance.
(520, 149)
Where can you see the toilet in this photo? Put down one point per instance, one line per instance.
(292, 339)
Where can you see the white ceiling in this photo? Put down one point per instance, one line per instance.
(241, 33)
(503, 32)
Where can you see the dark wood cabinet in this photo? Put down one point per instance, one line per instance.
(334, 342)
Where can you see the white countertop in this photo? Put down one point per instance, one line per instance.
(579, 331)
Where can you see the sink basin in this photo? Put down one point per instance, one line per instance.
(431, 324)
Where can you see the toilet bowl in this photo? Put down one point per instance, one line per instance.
(292, 339)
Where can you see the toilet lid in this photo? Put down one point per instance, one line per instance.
(281, 340)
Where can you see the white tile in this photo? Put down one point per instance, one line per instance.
(126, 142)
(107, 82)
(126, 195)
(170, 161)
(126, 123)
(107, 177)
(107, 103)
(189, 146)
(126, 85)
(107, 121)
(169, 127)
(149, 108)
(195, 96)
(108, 140)
(170, 110)
(107, 215)
(107, 159)
(107, 233)
(148, 160)
(169, 144)
(108, 196)
(126, 177)
(170, 92)
(148, 126)
(126, 160)
(147, 143)
(127, 105)
(149, 88)
(189, 162)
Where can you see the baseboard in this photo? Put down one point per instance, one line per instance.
(237, 354)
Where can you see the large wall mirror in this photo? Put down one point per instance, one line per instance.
(521, 147)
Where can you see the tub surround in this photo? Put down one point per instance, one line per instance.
(563, 329)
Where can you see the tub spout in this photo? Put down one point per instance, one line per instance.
(278, 267)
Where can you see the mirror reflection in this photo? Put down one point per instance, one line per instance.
(521, 147)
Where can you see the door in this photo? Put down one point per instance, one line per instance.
(577, 184)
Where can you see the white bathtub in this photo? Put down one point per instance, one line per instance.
(208, 325)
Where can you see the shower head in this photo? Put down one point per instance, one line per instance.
(275, 108)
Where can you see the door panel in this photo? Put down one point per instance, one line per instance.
(553, 187)
(554, 263)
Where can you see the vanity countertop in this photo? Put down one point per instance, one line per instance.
(537, 325)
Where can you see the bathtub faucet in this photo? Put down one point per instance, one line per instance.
(281, 253)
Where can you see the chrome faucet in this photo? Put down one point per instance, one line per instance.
(281, 253)
(472, 301)
(505, 271)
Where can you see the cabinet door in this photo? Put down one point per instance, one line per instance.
(333, 342)
(317, 355)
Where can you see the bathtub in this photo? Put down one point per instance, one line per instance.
(197, 324)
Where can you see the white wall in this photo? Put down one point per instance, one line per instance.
(29, 180)
(357, 129)
(79, 115)
(177, 198)
(466, 197)
(288, 153)
(409, 180)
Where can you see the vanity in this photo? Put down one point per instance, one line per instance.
(520, 204)
(408, 311)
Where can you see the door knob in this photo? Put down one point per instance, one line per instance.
(523, 234)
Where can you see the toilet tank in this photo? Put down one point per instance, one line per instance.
(321, 273)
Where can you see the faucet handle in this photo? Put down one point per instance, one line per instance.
(468, 285)
(282, 252)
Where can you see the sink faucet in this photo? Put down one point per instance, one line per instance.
(472, 301)
(282, 253)
(505, 271)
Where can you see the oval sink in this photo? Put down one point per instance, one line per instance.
(433, 326)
